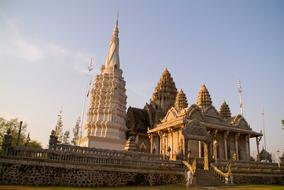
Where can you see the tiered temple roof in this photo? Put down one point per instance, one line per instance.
(165, 88)
(181, 101)
(164, 96)
(204, 99)
(225, 110)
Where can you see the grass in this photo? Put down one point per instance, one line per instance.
(167, 187)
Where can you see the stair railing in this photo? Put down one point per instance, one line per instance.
(191, 167)
(226, 177)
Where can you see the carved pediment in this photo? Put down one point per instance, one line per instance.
(194, 113)
(213, 114)
(239, 121)
(193, 130)
(171, 115)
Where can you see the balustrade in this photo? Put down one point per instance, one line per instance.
(91, 156)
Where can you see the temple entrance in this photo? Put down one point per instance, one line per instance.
(196, 142)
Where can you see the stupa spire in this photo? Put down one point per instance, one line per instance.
(203, 99)
(181, 101)
(112, 59)
(225, 110)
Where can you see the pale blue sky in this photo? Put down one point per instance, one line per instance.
(45, 47)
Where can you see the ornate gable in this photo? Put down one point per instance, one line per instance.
(171, 115)
(212, 114)
(239, 121)
(195, 131)
(194, 113)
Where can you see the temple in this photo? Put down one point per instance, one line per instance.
(198, 131)
(105, 127)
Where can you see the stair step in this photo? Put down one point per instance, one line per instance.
(206, 178)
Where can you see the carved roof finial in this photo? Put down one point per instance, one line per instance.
(203, 99)
(181, 101)
(225, 110)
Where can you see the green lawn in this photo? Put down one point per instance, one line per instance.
(168, 187)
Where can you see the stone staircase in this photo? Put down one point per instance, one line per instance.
(206, 178)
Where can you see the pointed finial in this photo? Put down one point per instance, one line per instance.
(115, 30)
(116, 21)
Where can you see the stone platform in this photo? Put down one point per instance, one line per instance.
(77, 166)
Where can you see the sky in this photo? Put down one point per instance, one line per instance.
(45, 47)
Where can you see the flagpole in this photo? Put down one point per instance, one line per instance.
(90, 68)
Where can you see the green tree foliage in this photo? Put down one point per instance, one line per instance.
(66, 137)
(34, 144)
(76, 131)
(14, 125)
(59, 127)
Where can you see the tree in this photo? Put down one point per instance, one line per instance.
(34, 144)
(59, 127)
(14, 125)
(282, 121)
(66, 137)
(76, 131)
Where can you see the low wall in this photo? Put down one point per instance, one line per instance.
(251, 172)
(77, 166)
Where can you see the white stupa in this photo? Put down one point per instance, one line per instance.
(106, 119)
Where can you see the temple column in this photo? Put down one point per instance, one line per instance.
(199, 149)
(258, 139)
(226, 134)
(183, 146)
(237, 135)
(186, 149)
(206, 161)
(247, 147)
(172, 143)
(215, 145)
(160, 142)
(151, 143)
